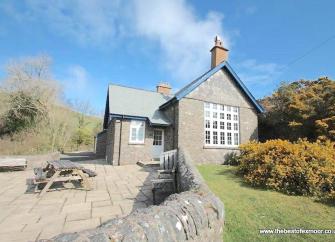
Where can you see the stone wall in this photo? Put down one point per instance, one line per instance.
(110, 135)
(171, 132)
(220, 89)
(34, 161)
(100, 146)
(194, 214)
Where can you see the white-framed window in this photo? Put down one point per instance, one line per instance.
(137, 132)
(221, 125)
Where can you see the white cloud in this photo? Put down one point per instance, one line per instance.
(251, 10)
(262, 74)
(184, 38)
(77, 78)
(88, 22)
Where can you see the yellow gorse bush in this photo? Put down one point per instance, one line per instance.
(301, 168)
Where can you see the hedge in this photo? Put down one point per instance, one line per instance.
(300, 168)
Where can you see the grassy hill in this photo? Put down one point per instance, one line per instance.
(59, 132)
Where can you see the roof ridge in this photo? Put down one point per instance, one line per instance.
(194, 84)
(136, 88)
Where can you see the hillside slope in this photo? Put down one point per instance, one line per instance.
(64, 130)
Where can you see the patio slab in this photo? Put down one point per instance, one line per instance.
(117, 190)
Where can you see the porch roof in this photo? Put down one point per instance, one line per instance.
(137, 103)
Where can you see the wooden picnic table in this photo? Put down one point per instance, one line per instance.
(61, 171)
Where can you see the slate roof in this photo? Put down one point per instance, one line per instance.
(132, 102)
(194, 84)
(143, 104)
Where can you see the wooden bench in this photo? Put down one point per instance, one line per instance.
(166, 174)
(59, 171)
(13, 163)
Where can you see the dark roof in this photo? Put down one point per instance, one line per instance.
(136, 103)
(194, 84)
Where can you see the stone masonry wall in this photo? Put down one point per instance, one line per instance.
(171, 132)
(195, 214)
(100, 147)
(110, 135)
(217, 89)
(131, 153)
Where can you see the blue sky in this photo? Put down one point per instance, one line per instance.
(140, 43)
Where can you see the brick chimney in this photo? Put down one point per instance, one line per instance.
(219, 53)
(163, 88)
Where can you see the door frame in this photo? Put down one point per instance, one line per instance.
(153, 138)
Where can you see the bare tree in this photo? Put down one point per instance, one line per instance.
(32, 91)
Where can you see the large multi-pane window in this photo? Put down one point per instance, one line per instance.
(221, 125)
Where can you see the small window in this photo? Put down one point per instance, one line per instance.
(158, 137)
(220, 107)
(215, 137)
(215, 106)
(221, 115)
(235, 117)
(228, 108)
(221, 125)
(207, 105)
(235, 109)
(235, 126)
(215, 115)
(208, 137)
(207, 114)
(229, 138)
(228, 116)
(137, 129)
(235, 138)
(208, 124)
(228, 126)
(215, 124)
(222, 138)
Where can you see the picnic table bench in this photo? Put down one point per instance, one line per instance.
(13, 163)
(60, 171)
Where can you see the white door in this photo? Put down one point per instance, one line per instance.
(158, 143)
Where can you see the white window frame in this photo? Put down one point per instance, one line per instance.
(136, 124)
(222, 111)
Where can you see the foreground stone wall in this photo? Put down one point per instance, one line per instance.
(194, 214)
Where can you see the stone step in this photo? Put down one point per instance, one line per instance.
(153, 163)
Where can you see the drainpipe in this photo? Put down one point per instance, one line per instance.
(119, 158)
(174, 127)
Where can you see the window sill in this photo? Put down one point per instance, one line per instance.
(136, 143)
(221, 147)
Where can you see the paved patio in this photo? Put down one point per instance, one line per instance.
(116, 192)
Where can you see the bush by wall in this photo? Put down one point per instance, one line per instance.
(301, 168)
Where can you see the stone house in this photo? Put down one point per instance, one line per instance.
(210, 117)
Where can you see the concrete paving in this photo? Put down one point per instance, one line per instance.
(117, 190)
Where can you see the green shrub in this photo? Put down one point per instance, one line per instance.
(231, 159)
(301, 168)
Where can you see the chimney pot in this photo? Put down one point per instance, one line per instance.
(219, 53)
(163, 88)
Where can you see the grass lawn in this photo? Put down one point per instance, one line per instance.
(249, 209)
